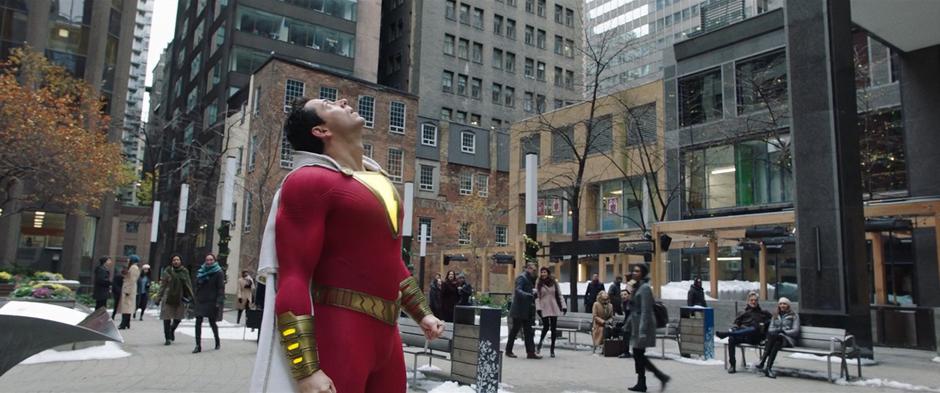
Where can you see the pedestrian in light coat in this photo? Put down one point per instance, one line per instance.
(129, 292)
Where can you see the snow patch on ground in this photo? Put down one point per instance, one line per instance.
(45, 311)
(680, 289)
(429, 367)
(695, 361)
(819, 358)
(454, 387)
(937, 359)
(885, 383)
(110, 350)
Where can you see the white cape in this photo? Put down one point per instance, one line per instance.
(271, 372)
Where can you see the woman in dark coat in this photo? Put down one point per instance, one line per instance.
(102, 282)
(643, 329)
(176, 292)
(434, 296)
(210, 299)
(449, 296)
(117, 284)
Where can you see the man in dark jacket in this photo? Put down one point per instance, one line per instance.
(696, 296)
(103, 281)
(748, 328)
(117, 283)
(590, 296)
(464, 291)
(522, 312)
(614, 293)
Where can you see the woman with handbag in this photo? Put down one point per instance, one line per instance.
(176, 292)
(245, 286)
(603, 312)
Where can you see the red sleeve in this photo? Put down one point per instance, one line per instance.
(299, 232)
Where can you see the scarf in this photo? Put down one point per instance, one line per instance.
(205, 270)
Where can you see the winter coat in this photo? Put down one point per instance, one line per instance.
(245, 287)
(642, 320)
(448, 300)
(210, 296)
(753, 317)
(117, 283)
(696, 296)
(523, 300)
(549, 301)
(464, 293)
(787, 325)
(128, 303)
(102, 283)
(434, 298)
(143, 284)
(603, 311)
(175, 285)
(614, 292)
(590, 296)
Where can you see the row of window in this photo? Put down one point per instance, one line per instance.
(365, 105)
(462, 117)
(295, 32)
(464, 236)
(468, 140)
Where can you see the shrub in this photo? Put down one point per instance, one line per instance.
(5, 277)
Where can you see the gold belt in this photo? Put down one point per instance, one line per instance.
(376, 307)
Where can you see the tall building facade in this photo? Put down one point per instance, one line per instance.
(93, 41)
(635, 33)
(132, 140)
(218, 44)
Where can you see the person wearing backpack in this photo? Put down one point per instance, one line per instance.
(643, 329)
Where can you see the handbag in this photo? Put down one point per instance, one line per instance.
(614, 347)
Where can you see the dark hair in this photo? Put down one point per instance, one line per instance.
(103, 260)
(645, 269)
(175, 255)
(547, 281)
(214, 258)
(297, 127)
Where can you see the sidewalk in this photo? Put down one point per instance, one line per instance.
(153, 367)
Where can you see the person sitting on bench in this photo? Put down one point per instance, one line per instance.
(783, 331)
(749, 328)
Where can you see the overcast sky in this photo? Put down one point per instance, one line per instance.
(161, 33)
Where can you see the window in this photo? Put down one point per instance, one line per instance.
(501, 235)
(540, 71)
(465, 14)
(700, 98)
(510, 62)
(761, 82)
(461, 117)
(881, 147)
(195, 65)
(192, 99)
(446, 114)
(569, 17)
(463, 49)
(367, 150)
(477, 52)
(510, 95)
(602, 137)
(294, 31)
(428, 134)
(529, 35)
(497, 93)
(569, 48)
(475, 119)
(529, 68)
(293, 90)
(620, 204)
(449, 44)
(366, 109)
(540, 8)
(559, 45)
(395, 160)
(528, 144)
(132, 227)
(510, 28)
(188, 134)
(426, 178)
(530, 6)
(528, 102)
(328, 93)
(497, 123)
(246, 227)
(466, 183)
(427, 223)
(497, 59)
(130, 250)
(287, 153)
(641, 125)
(498, 24)
(468, 142)
(476, 88)
(562, 144)
(483, 185)
(463, 234)
(540, 39)
(396, 122)
(212, 114)
(450, 9)
(252, 152)
(478, 18)
(559, 77)
(447, 82)
(569, 79)
(540, 103)
(559, 14)
(461, 84)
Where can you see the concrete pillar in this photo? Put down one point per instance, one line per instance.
(833, 276)
(37, 34)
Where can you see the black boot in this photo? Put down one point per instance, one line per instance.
(640, 384)
(769, 372)
(732, 361)
(538, 348)
(722, 334)
(197, 349)
(663, 380)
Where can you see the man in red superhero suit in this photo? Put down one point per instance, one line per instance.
(341, 282)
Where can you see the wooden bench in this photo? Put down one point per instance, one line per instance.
(414, 343)
(819, 341)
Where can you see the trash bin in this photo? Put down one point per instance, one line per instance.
(697, 331)
(476, 357)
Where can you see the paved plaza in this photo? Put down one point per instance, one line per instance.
(153, 367)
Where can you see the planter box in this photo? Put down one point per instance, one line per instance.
(68, 303)
(6, 289)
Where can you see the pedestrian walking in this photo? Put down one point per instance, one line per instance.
(643, 330)
(449, 296)
(464, 291)
(245, 286)
(117, 284)
(548, 306)
(434, 296)
(594, 287)
(522, 312)
(628, 288)
(176, 292)
(748, 328)
(128, 303)
(143, 290)
(614, 293)
(103, 281)
(783, 331)
(210, 299)
(696, 295)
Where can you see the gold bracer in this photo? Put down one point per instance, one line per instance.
(413, 300)
(300, 344)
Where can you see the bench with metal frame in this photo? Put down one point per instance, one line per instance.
(415, 343)
(820, 341)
